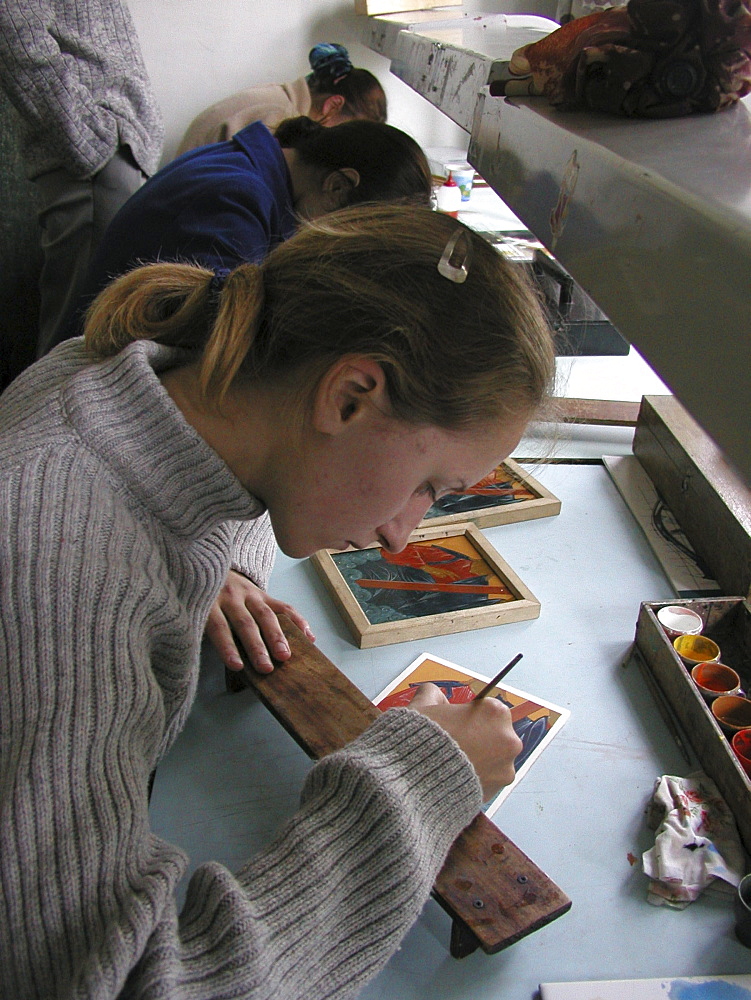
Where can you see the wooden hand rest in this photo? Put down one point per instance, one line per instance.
(493, 892)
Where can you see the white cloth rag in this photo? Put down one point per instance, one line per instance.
(696, 841)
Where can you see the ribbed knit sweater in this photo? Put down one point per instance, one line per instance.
(119, 524)
(75, 73)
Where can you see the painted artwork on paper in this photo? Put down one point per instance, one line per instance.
(535, 721)
(679, 988)
(506, 494)
(426, 578)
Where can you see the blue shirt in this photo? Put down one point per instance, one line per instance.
(218, 206)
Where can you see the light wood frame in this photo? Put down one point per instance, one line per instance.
(545, 504)
(522, 607)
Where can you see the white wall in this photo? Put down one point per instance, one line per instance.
(198, 51)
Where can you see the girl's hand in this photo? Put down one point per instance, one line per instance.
(483, 730)
(249, 612)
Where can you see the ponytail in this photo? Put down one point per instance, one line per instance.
(184, 306)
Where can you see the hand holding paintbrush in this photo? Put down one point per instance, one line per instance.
(498, 677)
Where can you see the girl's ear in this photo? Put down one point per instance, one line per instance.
(337, 186)
(347, 393)
(331, 109)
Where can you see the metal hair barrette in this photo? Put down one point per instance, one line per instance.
(456, 272)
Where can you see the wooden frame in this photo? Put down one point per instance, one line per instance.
(472, 574)
(539, 502)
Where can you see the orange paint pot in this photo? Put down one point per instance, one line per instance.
(713, 678)
(732, 712)
(741, 744)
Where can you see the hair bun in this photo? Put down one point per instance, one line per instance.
(329, 61)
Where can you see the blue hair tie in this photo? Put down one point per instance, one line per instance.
(329, 60)
(215, 287)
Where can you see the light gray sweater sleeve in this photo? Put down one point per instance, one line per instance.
(320, 911)
(75, 73)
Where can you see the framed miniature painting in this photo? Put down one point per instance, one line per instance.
(449, 578)
(508, 494)
(535, 720)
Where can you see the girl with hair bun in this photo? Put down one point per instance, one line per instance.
(333, 92)
(383, 356)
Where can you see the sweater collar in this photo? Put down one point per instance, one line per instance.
(123, 413)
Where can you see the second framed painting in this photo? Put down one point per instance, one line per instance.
(447, 579)
(507, 494)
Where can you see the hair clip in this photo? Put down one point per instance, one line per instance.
(454, 272)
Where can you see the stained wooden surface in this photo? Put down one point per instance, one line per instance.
(492, 890)
(607, 412)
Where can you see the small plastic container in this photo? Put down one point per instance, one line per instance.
(677, 620)
(449, 197)
(694, 649)
(464, 175)
(732, 712)
(713, 679)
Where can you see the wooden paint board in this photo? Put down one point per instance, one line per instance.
(448, 579)
(323, 711)
(507, 495)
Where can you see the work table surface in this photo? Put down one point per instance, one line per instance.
(234, 775)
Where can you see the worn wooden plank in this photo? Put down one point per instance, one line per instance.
(494, 893)
(608, 412)
(707, 497)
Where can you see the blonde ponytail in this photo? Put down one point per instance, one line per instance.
(181, 305)
(239, 306)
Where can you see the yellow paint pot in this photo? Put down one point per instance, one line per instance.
(694, 649)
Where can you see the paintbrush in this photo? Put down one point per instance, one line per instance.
(498, 677)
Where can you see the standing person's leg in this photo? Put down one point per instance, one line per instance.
(73, 218)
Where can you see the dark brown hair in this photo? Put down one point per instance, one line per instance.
(391, 165)
(333, 73)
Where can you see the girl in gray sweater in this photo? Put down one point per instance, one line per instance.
(376, 360)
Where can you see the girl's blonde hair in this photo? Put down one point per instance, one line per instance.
(362, 281)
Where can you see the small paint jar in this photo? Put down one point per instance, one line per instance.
(741, 744)
(713, 678)
(732, 712)
(677, 620)
(694, 649)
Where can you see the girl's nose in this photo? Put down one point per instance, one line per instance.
(394, 535)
